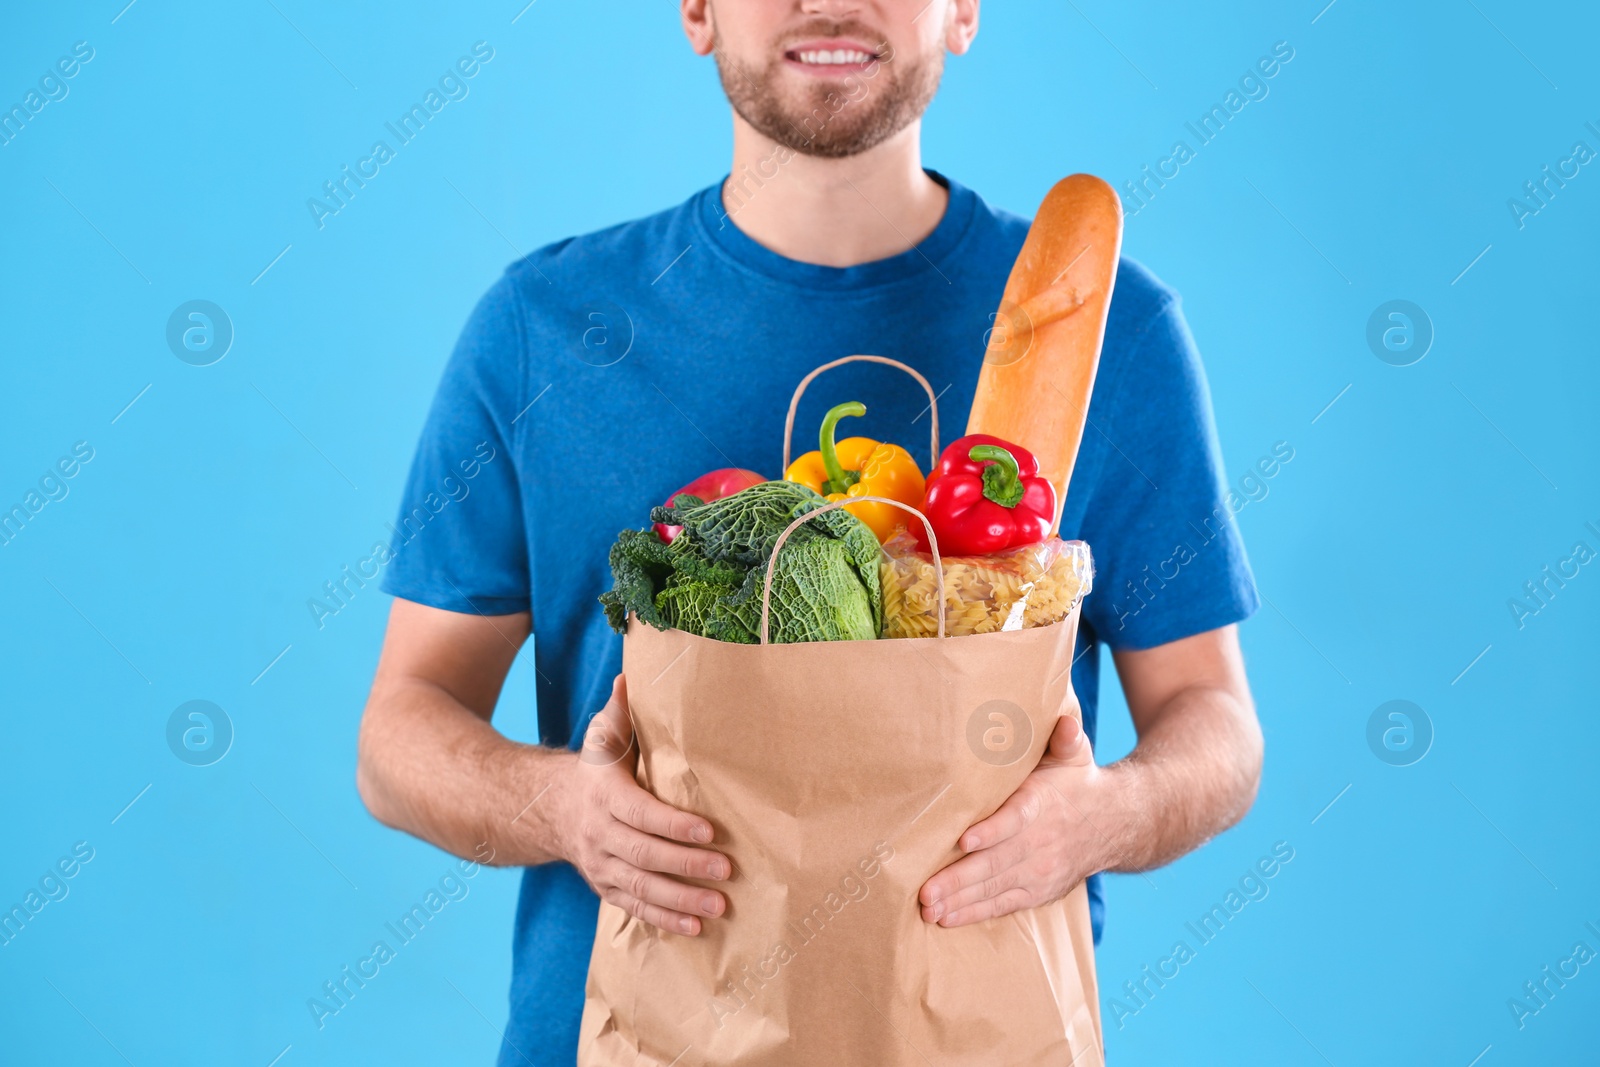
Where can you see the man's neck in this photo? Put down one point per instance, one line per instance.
(832, 212)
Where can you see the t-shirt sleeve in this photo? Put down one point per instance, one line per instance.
(1169, 559)
(459, 542)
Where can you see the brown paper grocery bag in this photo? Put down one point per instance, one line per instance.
(839, 776)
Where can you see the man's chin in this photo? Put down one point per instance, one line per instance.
(829, 116)
(832, 141)
(800, 94)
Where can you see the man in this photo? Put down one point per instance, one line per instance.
(603, 372)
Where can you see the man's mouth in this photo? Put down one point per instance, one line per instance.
(828, 57)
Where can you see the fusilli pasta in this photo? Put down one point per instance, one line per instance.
(1036, 585)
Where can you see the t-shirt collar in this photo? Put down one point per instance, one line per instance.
(723, 234)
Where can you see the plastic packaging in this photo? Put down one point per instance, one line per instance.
(1036, 585)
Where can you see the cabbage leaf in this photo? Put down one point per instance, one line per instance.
(708, 580)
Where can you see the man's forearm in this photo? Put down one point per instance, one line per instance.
(430, 766)
(1193, 774)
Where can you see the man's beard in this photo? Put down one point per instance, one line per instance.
(832, 119)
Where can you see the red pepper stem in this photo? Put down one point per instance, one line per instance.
(839, 479)
(1002, 482)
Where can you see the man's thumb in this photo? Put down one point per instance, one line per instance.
(610, 732)
(1068, 742)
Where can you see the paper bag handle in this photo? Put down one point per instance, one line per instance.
(799, 391)
(772, 561)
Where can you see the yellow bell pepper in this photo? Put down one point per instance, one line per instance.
(860, 466)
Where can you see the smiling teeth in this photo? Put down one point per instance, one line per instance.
(837, 56)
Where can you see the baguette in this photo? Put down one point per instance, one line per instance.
(1039, 365)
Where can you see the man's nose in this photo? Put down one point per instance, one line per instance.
(835, 9)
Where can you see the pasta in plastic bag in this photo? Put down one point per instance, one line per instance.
(1035, 585)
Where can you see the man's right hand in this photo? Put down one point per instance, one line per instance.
(629, 846)
(433, 765)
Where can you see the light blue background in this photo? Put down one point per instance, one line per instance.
(180, 564)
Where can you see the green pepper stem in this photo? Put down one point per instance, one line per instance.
(839, 479)
(1002, 482)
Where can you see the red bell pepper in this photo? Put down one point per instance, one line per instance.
(709, 487)
(986, 496)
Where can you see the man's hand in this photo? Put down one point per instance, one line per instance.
(625, 842)
(1192, 775)
(1036, 848)
(433, 765)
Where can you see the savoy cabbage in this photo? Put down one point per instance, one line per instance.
(708, 580)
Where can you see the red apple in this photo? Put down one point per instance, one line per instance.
(709, 487)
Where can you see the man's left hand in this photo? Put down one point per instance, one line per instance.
(1036, 848)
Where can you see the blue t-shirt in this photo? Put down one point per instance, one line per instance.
(601, 373)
